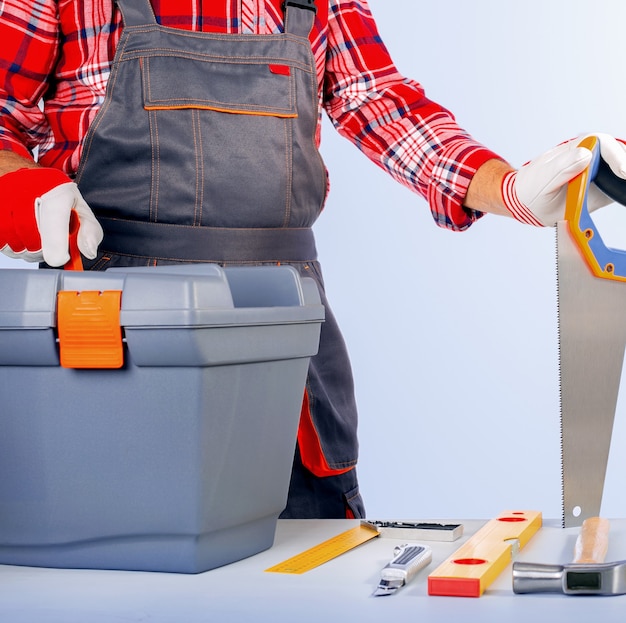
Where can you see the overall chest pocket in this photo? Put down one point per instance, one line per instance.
(221, 135)
(243, 86)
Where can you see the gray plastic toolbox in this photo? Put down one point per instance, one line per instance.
(180, 459)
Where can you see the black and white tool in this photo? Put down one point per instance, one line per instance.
(407, 561)
(416, 530)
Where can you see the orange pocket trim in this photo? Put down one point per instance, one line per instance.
(256, 113)
(310, 446)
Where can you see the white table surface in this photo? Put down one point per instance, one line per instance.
(338, 591)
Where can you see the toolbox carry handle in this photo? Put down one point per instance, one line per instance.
(603, 261)
(75, 262)
(88, 322)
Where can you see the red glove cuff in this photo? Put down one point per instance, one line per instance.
(18, 192)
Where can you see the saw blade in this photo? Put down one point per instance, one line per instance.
(592, 335)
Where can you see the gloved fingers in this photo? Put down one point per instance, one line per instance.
(52, 211)
(565, 166)
(90, 232)
(536, 193)
(613, 152)
(542, 178)
(13, 242)
(19, 231)
(27, 256)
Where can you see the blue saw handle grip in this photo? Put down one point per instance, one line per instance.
(603, 261)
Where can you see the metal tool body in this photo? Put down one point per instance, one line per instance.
(407, 561)
(592, 336)
(417, 530)
(588, 574)
(608, 578)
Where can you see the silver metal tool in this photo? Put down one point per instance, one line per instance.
(592, 336)
(608, 578)
(417, 530)
(407, 561)
(588, 574)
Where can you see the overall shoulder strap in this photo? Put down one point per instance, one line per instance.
(299, 17)
(136, 12)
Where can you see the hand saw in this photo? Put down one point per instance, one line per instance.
(591, 281)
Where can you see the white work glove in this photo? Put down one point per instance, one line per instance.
(535, 194)
(35, 209)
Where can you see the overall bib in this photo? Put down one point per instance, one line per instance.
(204, 151)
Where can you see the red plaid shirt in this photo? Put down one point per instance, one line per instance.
(61, 51)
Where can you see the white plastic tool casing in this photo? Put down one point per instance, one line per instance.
(408, 560)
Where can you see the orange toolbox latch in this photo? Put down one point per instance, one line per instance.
(89, 330)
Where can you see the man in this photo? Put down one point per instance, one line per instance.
(190, 134)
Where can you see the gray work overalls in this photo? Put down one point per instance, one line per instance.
(204, 151)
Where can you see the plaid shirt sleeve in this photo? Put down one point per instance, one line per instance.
(386, 115)
(392, 121)
(29, 35)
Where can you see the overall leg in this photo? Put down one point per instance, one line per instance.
(324, 481)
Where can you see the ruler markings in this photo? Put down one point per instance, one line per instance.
(325, 551)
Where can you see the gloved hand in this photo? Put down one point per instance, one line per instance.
(535, 194)
(35, 208)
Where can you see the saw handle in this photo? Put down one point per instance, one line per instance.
(609, 183)
(603, 261)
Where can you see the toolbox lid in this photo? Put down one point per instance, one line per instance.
(167, 296)
(28, 298)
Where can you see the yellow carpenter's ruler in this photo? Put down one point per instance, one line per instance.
(325, 551)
